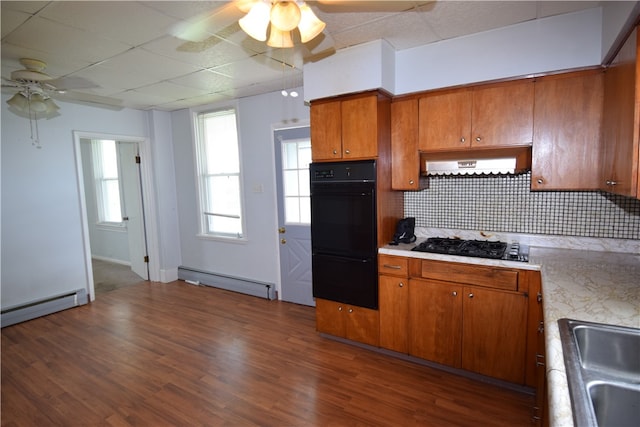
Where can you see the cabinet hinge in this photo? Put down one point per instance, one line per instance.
(137, 158)
(146, 258)
(539, 296)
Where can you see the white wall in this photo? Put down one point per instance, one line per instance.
(549, 44)
(42, 242)
(255, 259)
(614, 16)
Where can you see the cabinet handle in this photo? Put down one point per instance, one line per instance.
(395, 267)
(339, 308)
(410, 182)
(540, 181)
(351, 310)
(462, 140)
(471, 295)
(612, 183)
(401, 284)
(478, 139)
(454, 293)
(335, 151)
(347, 152)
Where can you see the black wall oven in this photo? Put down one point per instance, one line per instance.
(343, 232)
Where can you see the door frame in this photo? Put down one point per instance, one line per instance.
(148, 203)
(276, 239)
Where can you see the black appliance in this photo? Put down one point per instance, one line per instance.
(343, 232)
(474, 248)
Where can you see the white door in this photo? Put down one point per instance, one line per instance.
(293, 155)
(132, 213)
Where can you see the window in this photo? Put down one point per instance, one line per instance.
(296, 156)
(105, 167)
(219, 174)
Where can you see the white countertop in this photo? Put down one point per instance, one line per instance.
(601, 287)
(593, 285)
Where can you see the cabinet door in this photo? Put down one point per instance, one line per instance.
(620, 130)
(330, 317)
(363, 325)
(359, 127)
(435, 321)
(405, 159)
(494, 333)
(502, 115)
(566, 140)
(394, 313)
(326, 128)
(444, 121)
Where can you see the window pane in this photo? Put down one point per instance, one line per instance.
(111, 196)
(292, 209)
(304, 154)
(289, 155)
(109, 159)
(290, 183)
(219, 170)
(304, 184)
(305, 210)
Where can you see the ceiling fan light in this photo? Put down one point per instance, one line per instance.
(19, 102)
(36, 103)
(310, 26)
(255, 22)
(285, 15)
(51, 106)
(279, 38)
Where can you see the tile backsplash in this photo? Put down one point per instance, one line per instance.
(506, 204)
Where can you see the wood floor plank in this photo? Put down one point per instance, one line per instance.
(174, 354)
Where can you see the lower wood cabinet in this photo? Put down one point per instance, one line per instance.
(348, 321)
(394, 313)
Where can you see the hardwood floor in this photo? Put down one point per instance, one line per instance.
(176, 354)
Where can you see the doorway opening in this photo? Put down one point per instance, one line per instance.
(113, 211)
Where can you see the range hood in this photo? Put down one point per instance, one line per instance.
(476, 162)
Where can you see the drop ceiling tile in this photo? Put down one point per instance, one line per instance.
(194, 102)
(206, 80)
(212, 52)
(459, 18)
(63, 40)
(12, 19)
(58, 65)
(551, 8)
(141, 65)
(127, 22)
(258, 68)
(30, 7)
(170, 90)
(184, 9)
(140, 100)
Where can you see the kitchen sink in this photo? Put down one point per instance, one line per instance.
(603, 372)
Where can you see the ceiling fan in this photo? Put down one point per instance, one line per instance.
(36, 90)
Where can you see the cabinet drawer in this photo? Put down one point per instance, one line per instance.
(477, 275)
(393, 265)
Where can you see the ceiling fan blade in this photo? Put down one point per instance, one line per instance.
(203, 26)
(88, 98)
(70, 83)
(318, 48)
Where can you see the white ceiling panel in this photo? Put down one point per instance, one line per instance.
(130, 51)
(128, 22)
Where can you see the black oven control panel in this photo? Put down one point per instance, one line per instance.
(361, 170)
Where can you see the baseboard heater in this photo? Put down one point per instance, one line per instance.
(236, 284)
(23, 312)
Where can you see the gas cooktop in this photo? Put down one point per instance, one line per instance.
(474, 248)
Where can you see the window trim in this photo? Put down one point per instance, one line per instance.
(201, 213)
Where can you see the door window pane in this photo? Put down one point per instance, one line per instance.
(296, 156)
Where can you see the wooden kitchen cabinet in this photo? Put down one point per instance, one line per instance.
(469, 319)
(621, 121)
(494, 333)
(567, 131)
(487, 116)
(405, 158)
(348, 128)
(393, 296)
(435, 331)
(347, 321)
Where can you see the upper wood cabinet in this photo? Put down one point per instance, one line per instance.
(405, 159)
(488, 116)
(567, 131)
(347, 128)
(621, 122)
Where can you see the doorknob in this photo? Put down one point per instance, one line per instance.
(283, 241)
(282, 230)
